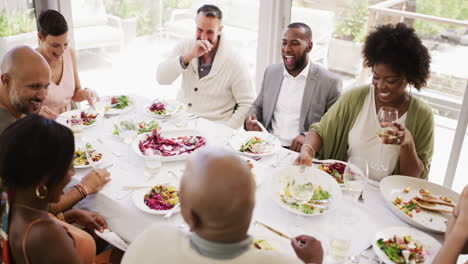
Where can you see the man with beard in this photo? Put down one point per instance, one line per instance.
(25, 77)
(215, 82)
(294, 94)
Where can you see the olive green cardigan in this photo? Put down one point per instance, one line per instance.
(336, 124)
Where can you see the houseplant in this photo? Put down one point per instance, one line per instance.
(344, 53)
(16, 28)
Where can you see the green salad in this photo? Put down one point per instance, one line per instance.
(120, 102)
(142, 127)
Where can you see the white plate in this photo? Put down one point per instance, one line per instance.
(279, 179)
(240, 138)
(115, 111)
(392, 186)
(96, 163)
(430, 245)
(63, 117)
(167, 133)
(172, 107)
(331, 161)
(138, 199)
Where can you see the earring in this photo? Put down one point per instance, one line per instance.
(41, 192)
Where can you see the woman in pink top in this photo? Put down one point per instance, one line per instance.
(65, 84)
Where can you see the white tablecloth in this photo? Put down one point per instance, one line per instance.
(116, 205)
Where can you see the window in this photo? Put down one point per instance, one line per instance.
(121, 42)
(17, 25)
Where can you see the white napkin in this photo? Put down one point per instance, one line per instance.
(113, 239)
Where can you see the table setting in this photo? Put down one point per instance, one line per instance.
(356, 219)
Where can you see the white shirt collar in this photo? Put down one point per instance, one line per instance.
(304, 73)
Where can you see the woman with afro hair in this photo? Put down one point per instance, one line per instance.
(399, 63)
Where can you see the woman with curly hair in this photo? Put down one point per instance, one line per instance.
(398, 61)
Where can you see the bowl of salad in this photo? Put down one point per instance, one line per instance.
(403, 245)
(163, 109)
(118, 104)
(255, 144)
(174, 145)
(88, 118)
(159, 199)
(325, 191)
(81, 160)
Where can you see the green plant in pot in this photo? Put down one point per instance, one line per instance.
(344, 53)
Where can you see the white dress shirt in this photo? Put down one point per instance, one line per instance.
(285, 122)
(364, 142)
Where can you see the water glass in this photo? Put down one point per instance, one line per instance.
(127, 129)
(355, 175)
(153, 162)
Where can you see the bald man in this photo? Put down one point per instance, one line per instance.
(217, 195)
(25, 77)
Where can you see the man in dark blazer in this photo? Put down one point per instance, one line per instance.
(295, 93)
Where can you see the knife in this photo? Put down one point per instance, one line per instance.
(273, 230)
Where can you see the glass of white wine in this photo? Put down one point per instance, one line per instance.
(355, 176)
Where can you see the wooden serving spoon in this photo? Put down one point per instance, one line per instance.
(435, 201)
(432, 207)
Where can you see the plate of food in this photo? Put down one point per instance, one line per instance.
(159, 199)
(325, 193)
(423, 204)
(141, 126)
(403, 245)
(177, 144)
(163, 109)
(334, 168)
(255, 144)
(80, 159)
(78, 119)
(118, 105)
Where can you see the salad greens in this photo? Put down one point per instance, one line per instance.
(392, 250)
(320, 194)
(142, 127)
(251, 141)
(120, 102)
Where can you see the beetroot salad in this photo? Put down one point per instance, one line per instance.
(161, 197)
(170, 147)
(335, 169)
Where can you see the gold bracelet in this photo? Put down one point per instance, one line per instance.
(310, 146)
(60, 216)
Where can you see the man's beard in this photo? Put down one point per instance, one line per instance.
(20, 106)
(301, 62)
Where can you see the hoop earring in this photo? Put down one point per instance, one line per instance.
(41, 188)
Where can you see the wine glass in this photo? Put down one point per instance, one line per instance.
(355, 176)
(301, 190)
(386, 115)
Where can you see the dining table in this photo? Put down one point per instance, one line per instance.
(358, 221)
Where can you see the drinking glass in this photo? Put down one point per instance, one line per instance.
(301, 190)
(355, 176)
(127, 128)
(153, 162)
(386, 115)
